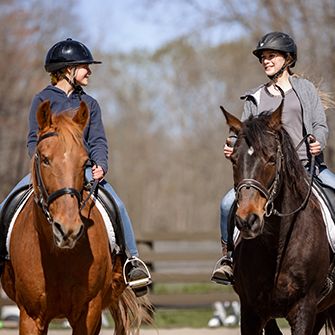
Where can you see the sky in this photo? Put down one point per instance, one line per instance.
(124, 25)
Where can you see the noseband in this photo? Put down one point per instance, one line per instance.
(44, 199)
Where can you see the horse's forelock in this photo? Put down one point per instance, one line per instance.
(255, 132)
(67, 129)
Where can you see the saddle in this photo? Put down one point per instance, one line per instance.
(111, 208)
(8, 211)
(20, 195)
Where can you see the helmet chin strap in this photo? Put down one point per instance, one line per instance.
(77, 88)
(280, 72)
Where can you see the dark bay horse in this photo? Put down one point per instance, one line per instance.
(282, 256)
(60, 262)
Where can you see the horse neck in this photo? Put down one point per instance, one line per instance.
(292, 193)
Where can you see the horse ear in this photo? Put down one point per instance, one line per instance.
(43, 116)
(276, 117)
(81, 115)
(233, 122)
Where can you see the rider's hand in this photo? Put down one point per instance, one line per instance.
(229, 146)
(314, 146)
(227, 150)
(97, 172)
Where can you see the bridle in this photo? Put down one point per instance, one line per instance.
(271, 193)
(43, 199)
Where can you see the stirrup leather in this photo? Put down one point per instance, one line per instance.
(140, 282)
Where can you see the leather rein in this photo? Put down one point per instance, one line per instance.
(43, 199)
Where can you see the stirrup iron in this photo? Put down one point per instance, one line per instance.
(219, 280)
(140, 282)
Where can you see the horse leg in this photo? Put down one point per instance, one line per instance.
(302, 318)
(251, 323)
(89, 322)
(272, 328)
(87, 326)
(27, 325)
(325, 318)
(320, 321)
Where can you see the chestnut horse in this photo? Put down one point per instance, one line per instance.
(60, 262)
(282, 256)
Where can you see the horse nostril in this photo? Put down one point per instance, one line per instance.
(239, 222)
(246, 223)
(252, 218)
(58, 227)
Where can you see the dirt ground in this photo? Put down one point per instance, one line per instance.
(180, 331)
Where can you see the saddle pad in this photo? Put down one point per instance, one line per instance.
(101, 209)
(108, 224)
(11, 225)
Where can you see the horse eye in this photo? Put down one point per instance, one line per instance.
(45, 160)
(272, 160)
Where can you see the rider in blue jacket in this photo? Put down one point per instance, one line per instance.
(68, 63)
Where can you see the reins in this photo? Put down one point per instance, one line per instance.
(310, 185)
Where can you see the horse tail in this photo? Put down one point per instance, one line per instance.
(130, 312)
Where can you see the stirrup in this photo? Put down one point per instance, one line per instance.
(140, 282)
(229, 280)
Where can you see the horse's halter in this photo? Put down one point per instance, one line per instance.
(271, 192)
(44, 199)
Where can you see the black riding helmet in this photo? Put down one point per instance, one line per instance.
(67, 52)
(277, 41)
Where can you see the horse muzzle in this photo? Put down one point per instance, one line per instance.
(66, 238)
(251, 226)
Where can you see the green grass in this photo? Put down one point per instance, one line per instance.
(178, 318)
(190, 288)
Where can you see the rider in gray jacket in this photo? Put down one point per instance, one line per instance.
(303, 114)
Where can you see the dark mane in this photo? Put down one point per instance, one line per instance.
(256, 131)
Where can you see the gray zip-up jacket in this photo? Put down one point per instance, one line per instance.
(313, 114)
(94, 133)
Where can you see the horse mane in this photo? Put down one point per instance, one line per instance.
(256, 131)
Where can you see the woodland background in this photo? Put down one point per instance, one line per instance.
(161, 108)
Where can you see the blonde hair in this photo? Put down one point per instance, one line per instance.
(56, 76)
